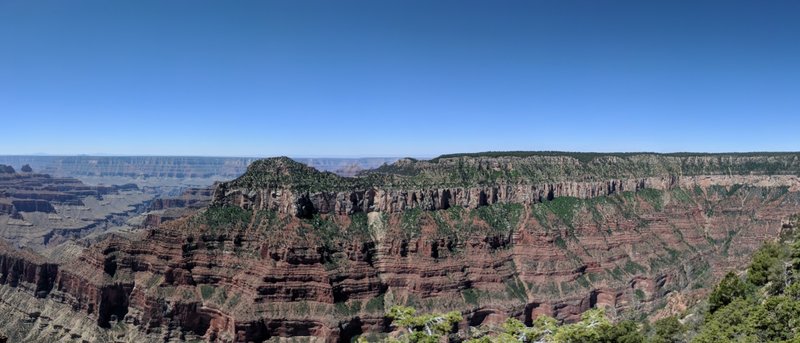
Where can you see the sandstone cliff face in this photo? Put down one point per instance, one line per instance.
(269, 262)
(304, 204)
(26, 270)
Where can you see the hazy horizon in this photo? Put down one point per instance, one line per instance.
(344, 157)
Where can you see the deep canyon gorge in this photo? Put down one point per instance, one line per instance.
(285, 250)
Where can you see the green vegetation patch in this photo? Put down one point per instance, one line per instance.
(470, 296)
(346, 309)
(410, 222)
(634, 268)
(653, 197)
(560, 242)
(564, 208)
(225, 216)
(516, 289)
(502, 218)
(206, 291)
(331, 234)
(681, 196)
(376, 304)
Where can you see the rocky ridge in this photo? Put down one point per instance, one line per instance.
(282, 185)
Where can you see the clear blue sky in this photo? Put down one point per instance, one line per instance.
(397, 78)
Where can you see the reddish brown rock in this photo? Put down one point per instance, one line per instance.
(490, 252)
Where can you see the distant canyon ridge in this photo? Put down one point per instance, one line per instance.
(201, 169)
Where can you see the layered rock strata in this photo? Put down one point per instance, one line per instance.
(270, 260)
(37, 209)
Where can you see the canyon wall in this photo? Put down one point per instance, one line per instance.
(305, 204)
(286, 251)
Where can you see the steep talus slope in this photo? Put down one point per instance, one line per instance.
(288, 251)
